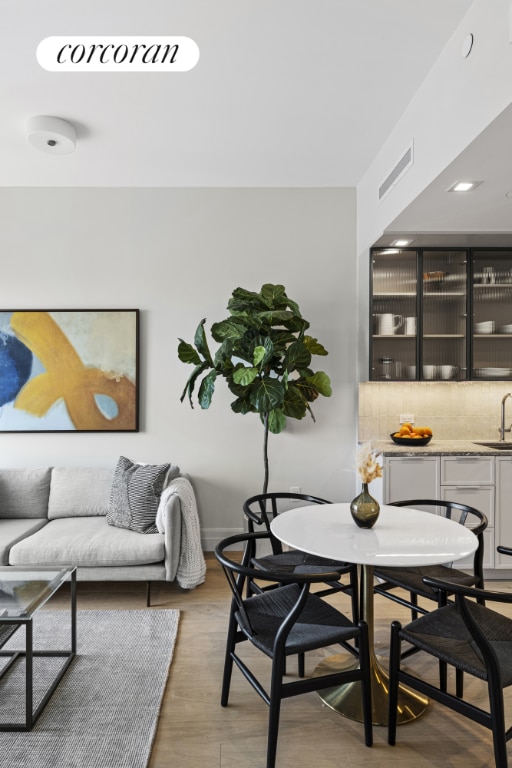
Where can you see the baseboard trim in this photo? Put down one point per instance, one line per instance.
(210, 537)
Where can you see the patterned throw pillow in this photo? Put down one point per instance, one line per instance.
(135, 495)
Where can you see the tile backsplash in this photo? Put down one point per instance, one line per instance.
(469, 410)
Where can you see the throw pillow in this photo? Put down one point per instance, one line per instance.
(135, 495)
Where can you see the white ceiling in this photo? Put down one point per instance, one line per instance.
(286, 92)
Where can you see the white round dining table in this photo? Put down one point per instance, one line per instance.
(401, 537)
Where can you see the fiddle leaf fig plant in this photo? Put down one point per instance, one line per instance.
(265, 357)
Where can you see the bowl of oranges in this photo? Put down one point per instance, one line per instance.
(412, 436)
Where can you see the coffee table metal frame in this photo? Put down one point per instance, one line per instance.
(25, 619)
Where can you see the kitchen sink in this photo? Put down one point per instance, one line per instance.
(502, 446)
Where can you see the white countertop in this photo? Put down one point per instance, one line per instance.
(440, 448)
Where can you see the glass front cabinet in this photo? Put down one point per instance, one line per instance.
(440, 314)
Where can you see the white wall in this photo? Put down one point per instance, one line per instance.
(177, 255)
(458, 99)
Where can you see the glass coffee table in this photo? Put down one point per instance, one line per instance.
(23, 591)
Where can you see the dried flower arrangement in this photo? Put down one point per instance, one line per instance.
(366, 463)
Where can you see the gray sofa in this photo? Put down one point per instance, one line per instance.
(58, 516)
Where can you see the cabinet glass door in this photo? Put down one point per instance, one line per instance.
(444, 302)
(492, 315)
(394, 315)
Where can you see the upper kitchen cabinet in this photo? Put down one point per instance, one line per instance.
(418, 315)
(492, 315)
(440, 314)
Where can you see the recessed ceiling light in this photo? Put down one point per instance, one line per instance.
(401, 243)
(464, 186)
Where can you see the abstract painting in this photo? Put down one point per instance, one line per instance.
(67, 370)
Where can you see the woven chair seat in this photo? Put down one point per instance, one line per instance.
(319, 624)
(412, 578)
(443, 634)
(295, 561)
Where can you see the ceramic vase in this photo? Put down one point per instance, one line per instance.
(365, 509)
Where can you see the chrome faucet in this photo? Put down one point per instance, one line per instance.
(502, 428)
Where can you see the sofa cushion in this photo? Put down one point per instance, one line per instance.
(135, 495)
(87, 541)
(24, 492)
(79, 491)
(12, 531)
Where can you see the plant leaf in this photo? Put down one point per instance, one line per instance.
(321, 382)
(297, 356)
(266, 394)
(242, 405)
(259, 354)
(273, 294)
(201, 343)
(189, 386)
(314, 346)
(244, 376)
(187, 353)
(206, 390)
(276, 421)
(294, 404)
(229, 329)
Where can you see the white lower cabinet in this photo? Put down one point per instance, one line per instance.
(503, 510)
(470, 480)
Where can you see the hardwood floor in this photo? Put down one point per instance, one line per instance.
(194, 730)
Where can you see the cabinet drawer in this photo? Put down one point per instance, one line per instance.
(480, 497)
(470, 470)
(488, 553)
(411, 478)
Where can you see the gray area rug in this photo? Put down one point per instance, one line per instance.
(105, 710)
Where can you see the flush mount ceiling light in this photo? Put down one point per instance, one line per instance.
(464, 186)
(51, 134)
(401, 243)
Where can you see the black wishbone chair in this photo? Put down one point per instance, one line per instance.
(412, 579)
(282, 622)
(260, 510)
(473, 639)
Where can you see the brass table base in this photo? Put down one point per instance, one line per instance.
(346, 699)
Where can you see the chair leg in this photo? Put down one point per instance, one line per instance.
(148, 594)
(414, 601)
(498, 723)
(228, 661)
(301, 667)
(274, 710)
(459, 683)
(443, 676)
(394, 668)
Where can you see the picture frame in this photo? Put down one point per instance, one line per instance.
(68, 370)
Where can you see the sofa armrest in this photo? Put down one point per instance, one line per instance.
(171, 514)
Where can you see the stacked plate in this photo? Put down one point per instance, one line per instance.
(494, 373)
(505, 328)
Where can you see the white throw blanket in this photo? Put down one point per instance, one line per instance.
(191, 566)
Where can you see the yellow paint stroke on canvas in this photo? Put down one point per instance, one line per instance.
(67, 378)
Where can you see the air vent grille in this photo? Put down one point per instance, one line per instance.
(398, 171)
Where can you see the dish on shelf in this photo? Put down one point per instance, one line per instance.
(434, 277)
(412, 442)
(505, 329)
(493, 373)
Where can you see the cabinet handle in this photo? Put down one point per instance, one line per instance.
(467, 487)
